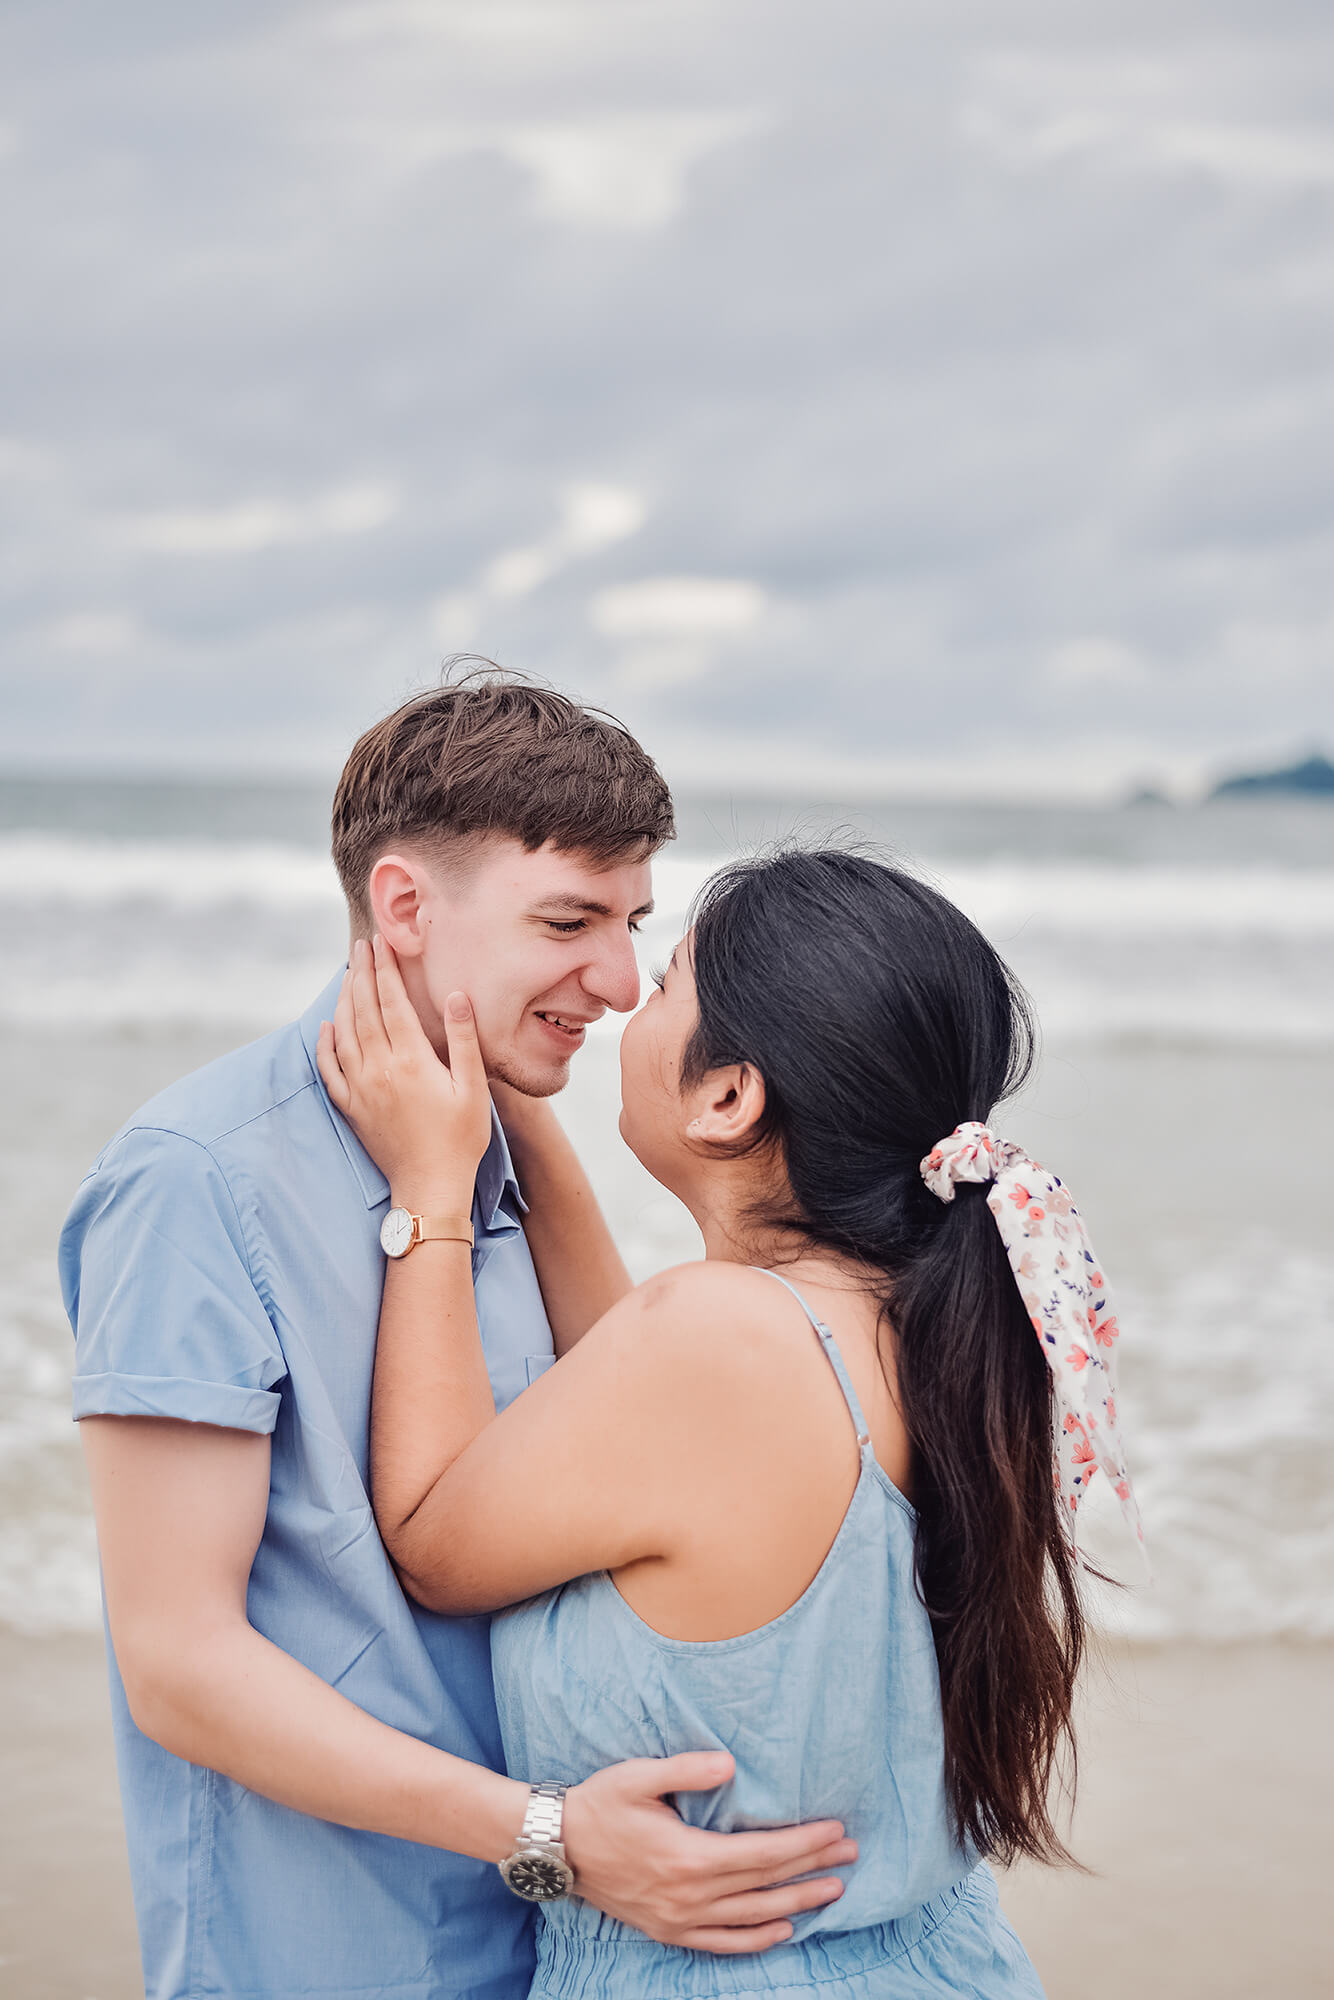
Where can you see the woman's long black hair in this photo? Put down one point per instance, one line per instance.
(880, 1018)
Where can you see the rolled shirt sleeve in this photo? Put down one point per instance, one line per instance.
(160, 1292)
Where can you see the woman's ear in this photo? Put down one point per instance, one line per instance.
(730, 1104)
(397, 890)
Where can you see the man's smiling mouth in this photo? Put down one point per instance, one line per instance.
(568, 1025)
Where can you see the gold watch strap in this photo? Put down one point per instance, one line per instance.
(441, 1229)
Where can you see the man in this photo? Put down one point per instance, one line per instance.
(310, 1765)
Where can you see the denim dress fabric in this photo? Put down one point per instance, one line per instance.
(832, 1711)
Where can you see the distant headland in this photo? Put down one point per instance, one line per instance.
(1312, 778)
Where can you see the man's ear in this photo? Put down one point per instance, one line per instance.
(396, 891)
(729, 1106)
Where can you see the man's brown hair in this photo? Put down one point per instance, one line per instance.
(492, 752)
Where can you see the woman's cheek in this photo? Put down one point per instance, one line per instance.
(635, 1111)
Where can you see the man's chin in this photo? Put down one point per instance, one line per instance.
(532, 1079)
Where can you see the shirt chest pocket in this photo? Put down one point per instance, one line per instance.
(538, 1364)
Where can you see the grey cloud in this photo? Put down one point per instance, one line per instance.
(969, 349)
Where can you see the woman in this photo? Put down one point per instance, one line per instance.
(796, 1501)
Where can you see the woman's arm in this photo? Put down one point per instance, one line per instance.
(427, 1126)
(587, 1469)
(590, 1469)
(578, 1265)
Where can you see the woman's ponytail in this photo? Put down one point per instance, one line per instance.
(881, 1018)
(995, 1566)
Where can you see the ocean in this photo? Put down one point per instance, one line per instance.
(1182, 966)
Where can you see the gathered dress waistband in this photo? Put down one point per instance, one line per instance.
(574, 1958)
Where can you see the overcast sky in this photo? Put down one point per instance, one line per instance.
(861, 394)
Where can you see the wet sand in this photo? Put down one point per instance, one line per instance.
(1204, 1815)
(66, 1922)
(1205, 1802)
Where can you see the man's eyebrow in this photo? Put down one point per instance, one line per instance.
(580, 906)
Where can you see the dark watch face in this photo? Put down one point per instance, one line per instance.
(540, 1878)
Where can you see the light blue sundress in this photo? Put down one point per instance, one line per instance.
(832, 1711)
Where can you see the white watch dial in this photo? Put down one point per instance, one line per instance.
(396, 1233)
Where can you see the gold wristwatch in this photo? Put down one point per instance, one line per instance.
(402, 1231)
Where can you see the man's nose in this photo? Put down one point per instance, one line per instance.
(613, 976)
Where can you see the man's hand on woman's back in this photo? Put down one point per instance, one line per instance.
(637, 1860)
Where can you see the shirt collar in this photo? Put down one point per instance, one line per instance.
(495, 1175)
(495, 1179)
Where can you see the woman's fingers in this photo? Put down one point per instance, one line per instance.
(345, 1029)
(468, 1072)
(401, 1024)
(366, 1006)
(465, 1051)
(326, 1057)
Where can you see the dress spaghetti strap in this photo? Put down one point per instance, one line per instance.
(836, 1361)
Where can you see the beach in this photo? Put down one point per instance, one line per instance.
(1203, 1811)
(1181, 967)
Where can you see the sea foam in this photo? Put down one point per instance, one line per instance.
(1226, 1384)
(133, 934)
(1005, 895)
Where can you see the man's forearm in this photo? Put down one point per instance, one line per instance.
(578, 1266)
(180, 1510)
(236, 1703)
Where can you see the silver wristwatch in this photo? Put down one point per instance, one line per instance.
(537, 1870)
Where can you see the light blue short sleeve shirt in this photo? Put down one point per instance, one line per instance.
(221, 1264)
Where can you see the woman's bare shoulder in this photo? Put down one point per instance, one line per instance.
(687, 1298)
(707, 1320)
(738, 1447)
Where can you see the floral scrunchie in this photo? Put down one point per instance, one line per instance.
(1065, 1296)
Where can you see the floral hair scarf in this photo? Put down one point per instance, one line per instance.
(1065, 1296)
